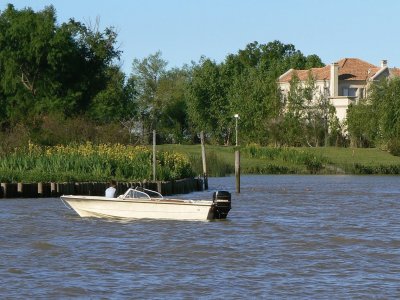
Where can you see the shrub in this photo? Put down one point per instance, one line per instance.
(394, 147)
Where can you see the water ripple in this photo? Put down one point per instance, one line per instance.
(302, 237)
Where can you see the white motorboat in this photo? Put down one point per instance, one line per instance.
(139, 203)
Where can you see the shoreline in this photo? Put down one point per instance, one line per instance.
(56, 189)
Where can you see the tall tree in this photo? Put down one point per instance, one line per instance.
(173, 121)
(116, 101)
(147, 74)
(47, 68)
(244, 83)
(208, 105)
(377, 119)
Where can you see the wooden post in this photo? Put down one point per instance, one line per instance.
(19, 189)
(237, 170)
(154, 155)
(203, 157)
(53, 189)
(40, 189)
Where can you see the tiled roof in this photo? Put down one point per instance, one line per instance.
(349, 69)
(395, 71)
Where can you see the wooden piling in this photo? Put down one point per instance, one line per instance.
(237, 170)
(43, 189)
(203, 158)
(154, 155)
(10, 190)
(53, 189)
(19, 189)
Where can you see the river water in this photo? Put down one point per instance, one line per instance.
(286, 237)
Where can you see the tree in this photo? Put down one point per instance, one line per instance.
(208, 105)
(309, 116)
(376, 120)
(362, 124)
(115, 102)
(25, 43)
(293, 115)
(46, 68)
(254, 96)
(244, 83)
(147, 74)
(173, 122)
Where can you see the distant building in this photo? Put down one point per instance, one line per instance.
(343, 82)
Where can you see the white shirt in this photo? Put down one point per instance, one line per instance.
(110, 192)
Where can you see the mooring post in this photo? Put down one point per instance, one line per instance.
(237, 170)
(203, 158)
(154, 155)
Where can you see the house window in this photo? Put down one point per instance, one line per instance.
(352, 92)
(349, 92)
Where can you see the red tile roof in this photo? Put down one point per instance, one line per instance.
(395, 71)
(349, 69)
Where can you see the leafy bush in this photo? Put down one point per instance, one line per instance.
(394, 147)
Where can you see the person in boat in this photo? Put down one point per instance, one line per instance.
(111, 191)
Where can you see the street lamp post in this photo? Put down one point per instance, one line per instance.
(236, 117)
(237, 157)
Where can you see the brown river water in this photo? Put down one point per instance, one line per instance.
(286, 237)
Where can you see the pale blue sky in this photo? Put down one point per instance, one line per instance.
(184, 30)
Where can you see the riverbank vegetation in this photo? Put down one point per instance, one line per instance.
(62, 87)
(295, 160)
(88, 162)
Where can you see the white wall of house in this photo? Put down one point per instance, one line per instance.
(348, 92)
(341, 104)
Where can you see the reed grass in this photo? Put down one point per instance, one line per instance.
(89, 162)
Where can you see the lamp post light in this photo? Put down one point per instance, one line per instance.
(236, 127)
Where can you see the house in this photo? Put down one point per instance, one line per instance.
(343, 82)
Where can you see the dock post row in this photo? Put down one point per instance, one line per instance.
(56, 189)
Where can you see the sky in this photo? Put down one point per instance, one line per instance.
(185, 30)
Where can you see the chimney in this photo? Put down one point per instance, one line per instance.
(383, 63)
(334, 80)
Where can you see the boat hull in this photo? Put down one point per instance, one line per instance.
(175, 209)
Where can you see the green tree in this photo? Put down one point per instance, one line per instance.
(47, 68)
(244, 83)
(208, 106)
(255, 98)
(293, 117)
(375, 121)
(385, 98)
(362, 124)
(173, 122)
(25, 43)
(146, 74)
(308, 115)
(115, 102)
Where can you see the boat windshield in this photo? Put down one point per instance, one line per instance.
(141, 193)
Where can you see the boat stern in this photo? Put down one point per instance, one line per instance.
(221, 204)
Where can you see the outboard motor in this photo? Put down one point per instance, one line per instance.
(222, 204)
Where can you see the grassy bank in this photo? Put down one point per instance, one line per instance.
(88, 162)
(263, 160)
